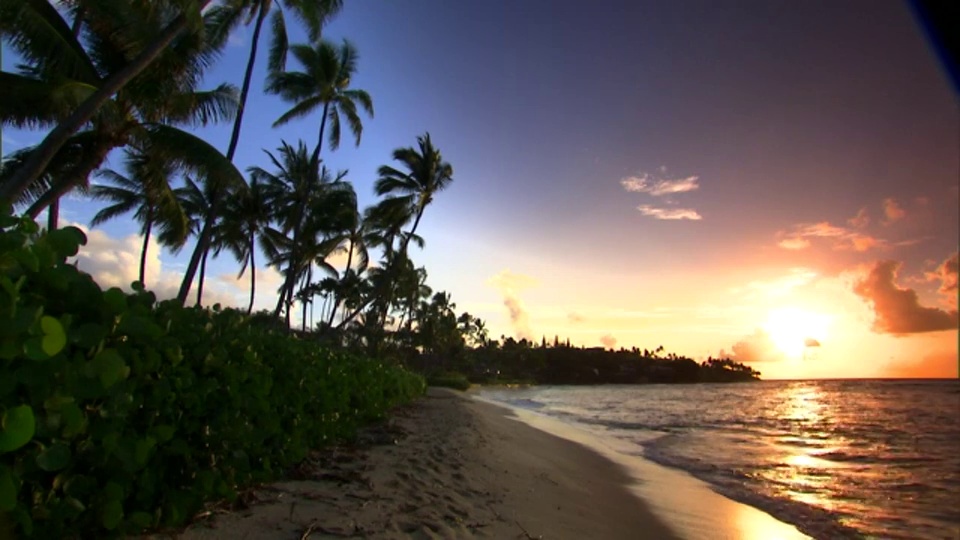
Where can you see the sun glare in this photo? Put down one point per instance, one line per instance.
(794, 330)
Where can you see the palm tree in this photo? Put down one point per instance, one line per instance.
(313, 209)
(325, 82)
(196, 200)
(426, 175)
(314, 13)
(54, 84)
(148, 194)
(28, 24)
(245, 218)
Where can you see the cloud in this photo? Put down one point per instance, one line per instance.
(946, 274)
(608, 341)
(115, 262)
(757, 347)
(861, 220)
(794, 243)
(892, 210)
(776, 288)
(669, 213)
(898, 311)
(940, 364)
(575, 318)
(840, 237)
(658, 187)
(509, 284)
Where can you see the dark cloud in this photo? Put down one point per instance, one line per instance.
(518, 317)
(898, 311)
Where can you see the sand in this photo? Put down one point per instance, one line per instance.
(447, 466)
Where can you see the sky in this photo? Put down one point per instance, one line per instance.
(774, 182)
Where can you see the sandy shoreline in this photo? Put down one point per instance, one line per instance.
(446, 466)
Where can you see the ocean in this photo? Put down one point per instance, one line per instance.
(835, 458)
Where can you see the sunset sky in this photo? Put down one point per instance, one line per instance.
(774, 180)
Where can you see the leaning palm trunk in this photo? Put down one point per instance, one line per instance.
(143, 252)
(67, 184)
(203, 270)
(58, 136)
(253, 272)
(199, 251)
(203, 241)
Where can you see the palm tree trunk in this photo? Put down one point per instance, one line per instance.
(61, 188)
(200, 250)
(143, 252)
(253, 272)
(304, 301)
(403, 251)
(53, 215)
(336, 297)
(245, 88)
(58, 136)
(203, 270)
(323, 124)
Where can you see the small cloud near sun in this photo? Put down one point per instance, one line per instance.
(669, 213)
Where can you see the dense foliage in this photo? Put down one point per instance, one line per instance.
(559, 363)
(120, 413)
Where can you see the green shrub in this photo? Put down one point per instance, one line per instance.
(457, 381)
(120, 413)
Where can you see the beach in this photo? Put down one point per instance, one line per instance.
(446, 466)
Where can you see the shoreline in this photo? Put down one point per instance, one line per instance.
(446, 466)
(687, 505)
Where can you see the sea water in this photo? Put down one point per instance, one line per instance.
(837, 459)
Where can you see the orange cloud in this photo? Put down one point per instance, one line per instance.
(509, 283)
(941, 364)
(946, 274)
(898, 311)
(892, 210)
(861, 220)
(841, 237)
(757, 347)
(608, 341)
(575, 318)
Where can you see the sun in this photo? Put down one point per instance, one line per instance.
(794, 330)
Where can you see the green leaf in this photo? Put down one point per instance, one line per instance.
(111, 515)
(141, 520)
(8, 490)
(66, 241)
(33, 349)
(54, 338)
(72, 418)
(54, 458)
(19, 426)
(115, 300)
(109, 367)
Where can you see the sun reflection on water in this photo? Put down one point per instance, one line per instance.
(799, 473)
